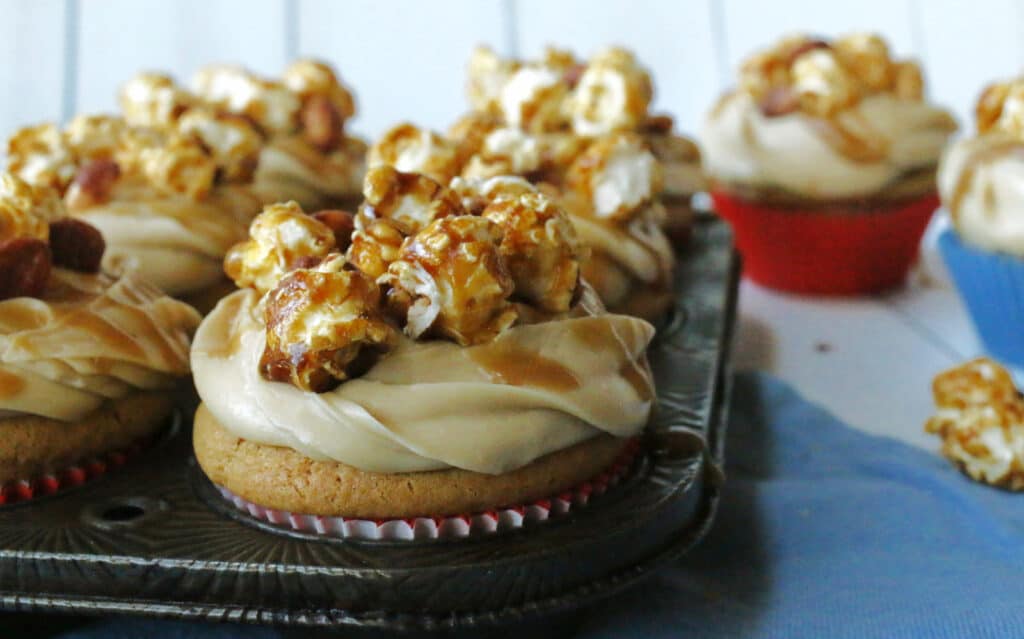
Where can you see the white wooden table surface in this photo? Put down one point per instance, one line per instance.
(869, 361)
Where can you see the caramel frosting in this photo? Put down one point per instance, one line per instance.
(289, 169)
(88, 339)
(858, 152)
(824, 120)
(489, 408)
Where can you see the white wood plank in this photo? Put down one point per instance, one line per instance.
(968, 45)
(672, 38)
(752, 25)
(122, 37)
(405, 60)
(32, 54)
(856, 357)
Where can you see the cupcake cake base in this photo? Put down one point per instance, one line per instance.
(285, 480)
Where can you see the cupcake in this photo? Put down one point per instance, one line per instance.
(88, 362)
(823, 159)
(433, 363)
(308, 156)
(979, 181)
(545, 122)
(980, 418)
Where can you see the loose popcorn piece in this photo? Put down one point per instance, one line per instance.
(410, 200)
(270, 105)
(282, 238)
(232, 142)
(375, 247)
(618, 175)
(488, 73)
(153, 100)
(411, 149)
(533, 99)
(178, 166)
(824, 86)
(26, 210)
(40, 155)
(324, 325)
(477, 193)
(613, 94)
(451, 281)
(505, 151)
(540, 248)
(980, 418)
(94, 137)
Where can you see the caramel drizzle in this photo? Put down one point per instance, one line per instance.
(847, 143)
(507, 364)
(10, 385)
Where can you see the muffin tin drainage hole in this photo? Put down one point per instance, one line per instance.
(123, 513)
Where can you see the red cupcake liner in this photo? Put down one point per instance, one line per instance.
(829, 252)
(445, 526)
(20, 490)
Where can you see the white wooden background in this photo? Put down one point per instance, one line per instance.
(868, 360)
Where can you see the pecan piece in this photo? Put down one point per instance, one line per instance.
(76, 245)
(92, 184)
(322, 125)
(24, 268)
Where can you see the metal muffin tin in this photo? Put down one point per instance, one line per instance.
(154, 538)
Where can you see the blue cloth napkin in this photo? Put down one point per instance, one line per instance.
(823, 532)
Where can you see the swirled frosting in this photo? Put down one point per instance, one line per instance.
(860, 151)
(488, 408)
(290, 169)
(981, 182)
(88, 339)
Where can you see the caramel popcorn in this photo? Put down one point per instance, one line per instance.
(909, 82)
(451, 281)
(232, 142)
(990, 105)
(980, 418)
(533, 99)
(153, 100)
(308, 78)
(488, 73)
(410, 200)
(540, 248)
(505, 151)
(269, 104)
(477, 193)
(617, 175)
(94, 137)
(410, 149)
(469, 132)
(613, 94)
(823, 85)
(1001, 107)
(561, 61)
(375, 247)
(866, 57)
(282, 238)
(26, 210)
(324, 325)
(176, 166)
(40, 155)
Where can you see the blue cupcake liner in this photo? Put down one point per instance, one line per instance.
(992, 286)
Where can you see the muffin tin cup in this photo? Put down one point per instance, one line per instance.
(446, 526)
(992, 287)
(829, 252)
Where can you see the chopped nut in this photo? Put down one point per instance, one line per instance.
(375, 247)
(77, 245)
(153, 100)
(324, 325)
(823, 85)
(269, 104)
(39, 155)
(341, 222)
(281, 238)
(533, 99)
(24, 267)
(613, 94)
(409, 199)
(540, 248)
(321, 124)
(488, 73)
(411, 149)
(505, 151)
(617, 175)
(92, 184)
(450, 281)
(477, 193)
(231, 140)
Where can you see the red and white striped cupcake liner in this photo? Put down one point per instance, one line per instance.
(20, 490)
(447, 526)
